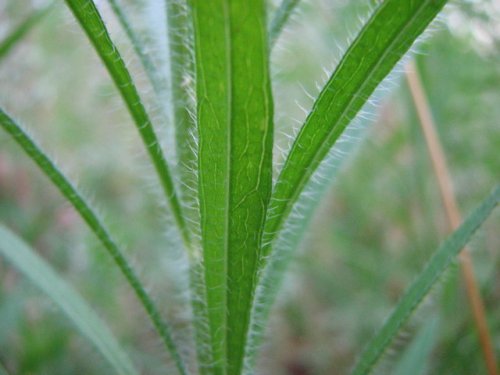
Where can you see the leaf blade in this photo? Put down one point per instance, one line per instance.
(438, 263)
(235, 156)
(384, 39)
(288, 189)
(42, 275)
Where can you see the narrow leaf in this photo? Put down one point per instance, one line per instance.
(234, 117)
(43, 276)
(384, 39)
(441, 259)
(89, 18)
(287, 244)
(67, 189)
(16, 35)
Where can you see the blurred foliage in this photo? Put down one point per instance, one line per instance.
(381, 220)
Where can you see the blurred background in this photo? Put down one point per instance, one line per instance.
(378, 224)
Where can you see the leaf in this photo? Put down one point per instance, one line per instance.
(287, 244)
(280, 18)
(41, 274)
(235, 131)
(16, 35)
(90, 20)
(414, 295)
(384, 39)
(67, 189)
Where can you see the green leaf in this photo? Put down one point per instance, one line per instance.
(235, 130)
(42, 275)
(441, 259)
(16, 35)
(86, 212)
(384, 39)
(280, 18)
(89, 18)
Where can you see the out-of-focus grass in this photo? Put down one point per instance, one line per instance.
(382, 220)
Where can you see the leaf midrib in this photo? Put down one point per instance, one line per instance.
(227, 239)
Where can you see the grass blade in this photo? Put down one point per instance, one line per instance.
(16, 35)
(234, 117)
(385, 38)
(68, 190)
(280, 18)
(441, 259)
(90, 20)
(43, 276)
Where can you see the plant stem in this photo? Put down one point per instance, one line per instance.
(453, 216)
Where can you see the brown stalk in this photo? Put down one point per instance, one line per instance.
(454, 219)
